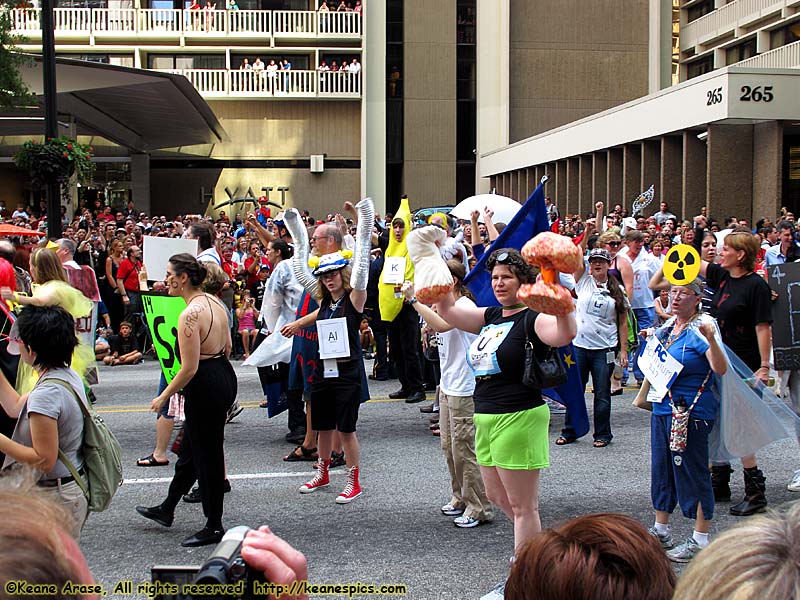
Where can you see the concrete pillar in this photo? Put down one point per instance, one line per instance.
(614, 178)
(573, 185)
(671, 171)
(493, 39)
(651, 170)
(729, 160)
(767, 169)
(373, 107)
(659, 46)
(693, 174)
(585, 181)
(561, 187)
(140, 182)
(599, 177)
(631, 174)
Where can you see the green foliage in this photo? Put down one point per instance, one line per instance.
(55, 160)
(13, 91)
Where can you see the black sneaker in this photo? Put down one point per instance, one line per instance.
(194, 496)
(157, 514)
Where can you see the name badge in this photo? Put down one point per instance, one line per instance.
(329, 368)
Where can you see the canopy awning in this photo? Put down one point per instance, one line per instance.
(135, 108)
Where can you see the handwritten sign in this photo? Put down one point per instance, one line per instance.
(162, 313)
(785, 280)
(659, 367)
(157, 250)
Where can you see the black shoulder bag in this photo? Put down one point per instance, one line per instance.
(542, 374)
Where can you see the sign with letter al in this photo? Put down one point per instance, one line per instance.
(658, 366)
(162, 313)
(332, 337)
(785, 280)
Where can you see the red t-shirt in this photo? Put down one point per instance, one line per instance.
(129, 273)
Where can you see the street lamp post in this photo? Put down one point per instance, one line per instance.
(50, 112)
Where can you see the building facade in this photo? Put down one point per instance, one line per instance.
(719, 127)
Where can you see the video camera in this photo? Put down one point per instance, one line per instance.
(223, 575)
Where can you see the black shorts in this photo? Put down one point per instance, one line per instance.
(335, 401)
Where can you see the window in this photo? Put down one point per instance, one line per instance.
(784, 35)
(740, 52)
(465, 78)
(465, 130)
(700, 67)
(185, 61)
(699, 10)
(122, 60)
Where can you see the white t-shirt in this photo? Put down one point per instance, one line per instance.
(457, 378)
(596, 315)
(644, 267)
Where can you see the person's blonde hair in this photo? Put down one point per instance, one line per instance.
(215, 279)
(608, 236)
(743, 240)
(759, 558)
(322, 291)
(48, 266)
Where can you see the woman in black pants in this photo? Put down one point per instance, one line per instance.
(209, 385)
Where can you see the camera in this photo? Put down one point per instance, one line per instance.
(223, 575)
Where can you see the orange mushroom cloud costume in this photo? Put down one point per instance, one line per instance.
(552, 253)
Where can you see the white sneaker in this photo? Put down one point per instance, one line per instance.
(466, 522)
(794, 484)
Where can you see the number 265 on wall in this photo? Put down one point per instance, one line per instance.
(759, 93)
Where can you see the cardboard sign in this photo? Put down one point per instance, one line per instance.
(659, 367)
(162, 313)
(157, 250)
(333, 339)
(785, 280)
(394, 269)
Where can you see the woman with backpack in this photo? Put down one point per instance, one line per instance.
(49, 419)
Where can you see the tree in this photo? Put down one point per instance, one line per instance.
(13, 91)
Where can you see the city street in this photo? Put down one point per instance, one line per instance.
(394, 533)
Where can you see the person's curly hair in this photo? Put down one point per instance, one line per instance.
(511, 258)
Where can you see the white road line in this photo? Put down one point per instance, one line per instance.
(306, 474)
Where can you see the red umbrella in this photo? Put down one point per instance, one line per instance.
(6, 229)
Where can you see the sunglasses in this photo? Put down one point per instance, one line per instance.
(615, 244)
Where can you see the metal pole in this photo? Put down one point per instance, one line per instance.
(50, 112)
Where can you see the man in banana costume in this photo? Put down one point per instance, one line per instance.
(404, 331)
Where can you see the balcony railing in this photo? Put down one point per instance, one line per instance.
(224, 83)
(131, 22)
(725, 20)
(787, 56)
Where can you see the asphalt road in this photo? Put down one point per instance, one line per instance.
(394, 533)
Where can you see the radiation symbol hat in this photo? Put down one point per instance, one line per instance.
(682, 264)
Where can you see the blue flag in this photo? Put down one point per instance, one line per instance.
(530, 220)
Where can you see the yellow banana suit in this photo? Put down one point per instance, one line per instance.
(391, 306)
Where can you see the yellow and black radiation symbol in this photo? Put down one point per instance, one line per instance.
(682, 264)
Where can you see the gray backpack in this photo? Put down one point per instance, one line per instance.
(101, 457)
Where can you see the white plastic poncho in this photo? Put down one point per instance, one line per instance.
(750, 416)
(279, 307)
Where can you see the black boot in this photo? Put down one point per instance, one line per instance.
(755, 484)
(720, 482)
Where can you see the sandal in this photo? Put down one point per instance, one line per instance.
(150, 461)
(562, 441)
(305, 454)
(600, 443)
(262, 404)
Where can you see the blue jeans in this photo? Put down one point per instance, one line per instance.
(681, 478)
(646, 318)
(596, 363)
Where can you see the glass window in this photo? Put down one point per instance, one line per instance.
(185, 61)
(465, 131)
(700, 67)
(699, 10)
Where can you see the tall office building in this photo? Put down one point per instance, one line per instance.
(720, 126)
